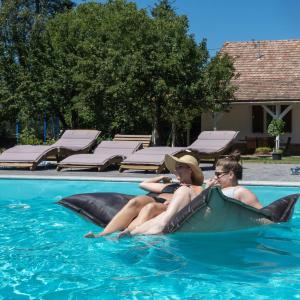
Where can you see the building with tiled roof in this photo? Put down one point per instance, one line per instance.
(268, 84)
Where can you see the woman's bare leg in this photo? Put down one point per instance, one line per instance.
(125, 216)
(148, 212)
(156, 225)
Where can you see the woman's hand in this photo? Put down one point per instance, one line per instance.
(211, 182)
(166, 203)
(166, 179)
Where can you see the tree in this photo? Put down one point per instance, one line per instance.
(109, 66)
(95, 65)
(174, 69)
(218, 89)
(276, 129)
(21, 25)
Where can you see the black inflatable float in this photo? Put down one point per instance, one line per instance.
(99, 208)
(211, 211)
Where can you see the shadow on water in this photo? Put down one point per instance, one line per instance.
(262, 250)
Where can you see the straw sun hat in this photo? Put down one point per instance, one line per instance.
(189, 160)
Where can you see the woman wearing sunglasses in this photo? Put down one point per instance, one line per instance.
(228, 172)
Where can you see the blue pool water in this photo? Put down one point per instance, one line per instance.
(44, 256)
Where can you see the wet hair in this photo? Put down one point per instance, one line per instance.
(231, 163)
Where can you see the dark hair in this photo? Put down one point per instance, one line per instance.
(231, 163)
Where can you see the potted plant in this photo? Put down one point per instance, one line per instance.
(275, 129)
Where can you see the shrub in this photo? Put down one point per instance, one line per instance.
(263, 150)
(280, 151)
(50, 141)
(28, 137)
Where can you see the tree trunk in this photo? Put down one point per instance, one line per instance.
(62, 120)
(155, 125)
(154, 135)
(37, 6)
(74, 119)
(173, 134)
(188, 135)
(277, 142)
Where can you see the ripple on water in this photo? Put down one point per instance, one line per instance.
(44, 256)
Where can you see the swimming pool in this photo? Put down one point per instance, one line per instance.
(43, 254)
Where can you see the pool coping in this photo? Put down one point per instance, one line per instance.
(134, 179)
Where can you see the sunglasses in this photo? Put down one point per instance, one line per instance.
(220, 174)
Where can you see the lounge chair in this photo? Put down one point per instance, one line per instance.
(144, 139)
(106, 154)
(209, 144)
(29, 156)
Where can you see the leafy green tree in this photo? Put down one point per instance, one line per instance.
(21, 25)
(217, 86)
(276, 129)
(94, 68)
(109, 66)
(124, 70)
(174, 71)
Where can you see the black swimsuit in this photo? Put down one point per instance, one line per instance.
(169, 189)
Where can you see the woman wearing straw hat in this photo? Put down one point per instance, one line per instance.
(190, 175)
(143, 208)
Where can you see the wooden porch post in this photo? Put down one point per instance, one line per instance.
(277, 140)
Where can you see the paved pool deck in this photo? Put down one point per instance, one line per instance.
(253, 173)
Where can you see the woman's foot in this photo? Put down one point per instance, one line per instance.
(124, 232)
(91, 235)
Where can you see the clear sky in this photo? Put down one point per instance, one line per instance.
(221, 21)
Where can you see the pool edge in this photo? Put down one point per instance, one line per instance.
(135, 179)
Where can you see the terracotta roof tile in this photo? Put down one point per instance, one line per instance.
(268, 70)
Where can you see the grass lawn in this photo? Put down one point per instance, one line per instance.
(269, 160)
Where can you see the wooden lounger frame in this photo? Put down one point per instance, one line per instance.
(201, 157)
(113, 161)
(144, 139)
(148, 167)
(54, 154)
(157, 169)
(31, 164)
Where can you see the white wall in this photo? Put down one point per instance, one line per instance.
(239, 118)
(295, 124)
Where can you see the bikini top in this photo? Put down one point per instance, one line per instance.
(169, 189)
(229, 192)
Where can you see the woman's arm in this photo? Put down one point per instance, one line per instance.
(156, 225)
(154, 184)
(247, 197)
